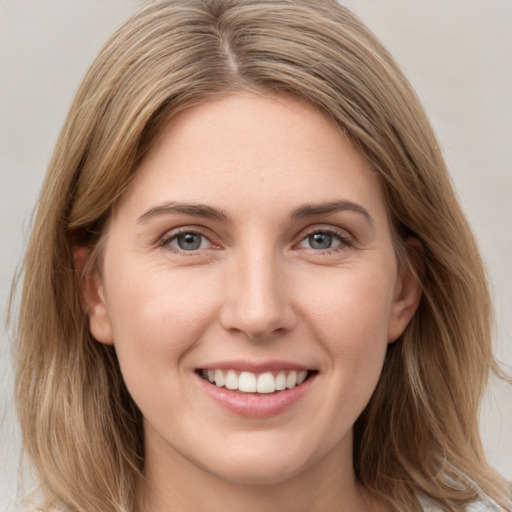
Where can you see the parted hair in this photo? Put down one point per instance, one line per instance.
(82, 433)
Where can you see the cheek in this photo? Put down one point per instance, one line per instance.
(157, 315)
(350, 316)
(352, 305)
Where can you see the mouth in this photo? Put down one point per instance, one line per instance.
(264, 383)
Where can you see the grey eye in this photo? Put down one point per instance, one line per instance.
(320, 241)
(188, 241)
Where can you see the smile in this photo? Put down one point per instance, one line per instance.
(256, 390)
(249, 382)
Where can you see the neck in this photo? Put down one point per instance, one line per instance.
(179, 484)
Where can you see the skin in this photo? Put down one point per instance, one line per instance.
(256, 289)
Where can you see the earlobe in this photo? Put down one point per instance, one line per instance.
(93, 298)
(408, 290)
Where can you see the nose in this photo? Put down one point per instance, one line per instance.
(258, 300)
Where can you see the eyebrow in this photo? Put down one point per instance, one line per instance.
(193, 209)
(310, 210)
(208, 212)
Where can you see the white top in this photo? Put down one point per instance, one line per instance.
(486, 505)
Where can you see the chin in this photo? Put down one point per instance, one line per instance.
(260, 464)
(251, 472)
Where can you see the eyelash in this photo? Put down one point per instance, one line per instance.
(346, 241)
(173, 235)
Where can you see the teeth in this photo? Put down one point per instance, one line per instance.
(291, 380)
(249, 382)
(266, 383)
(219, 378)
(301, 377)
(231, 379)
(281, 381)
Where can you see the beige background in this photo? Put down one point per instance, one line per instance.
(457, 53)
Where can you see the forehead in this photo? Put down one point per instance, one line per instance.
(236, 150)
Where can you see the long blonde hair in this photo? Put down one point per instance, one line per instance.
(81, 430)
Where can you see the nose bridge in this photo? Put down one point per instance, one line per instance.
(257, 301)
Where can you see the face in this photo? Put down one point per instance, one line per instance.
(250, 288)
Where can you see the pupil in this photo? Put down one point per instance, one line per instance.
(189, 241)
(320, 241)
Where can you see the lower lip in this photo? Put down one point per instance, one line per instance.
(255, 405)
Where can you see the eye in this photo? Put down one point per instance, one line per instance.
(187, 241)
(325, 240)
(320, 240)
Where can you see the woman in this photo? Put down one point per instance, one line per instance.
(249, 275)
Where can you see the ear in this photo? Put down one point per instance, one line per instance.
(93, 298)
(408, 290)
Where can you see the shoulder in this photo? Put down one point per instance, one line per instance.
(483, 505)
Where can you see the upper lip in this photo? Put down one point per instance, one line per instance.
(255, 366)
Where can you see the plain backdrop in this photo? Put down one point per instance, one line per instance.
(457, 54)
